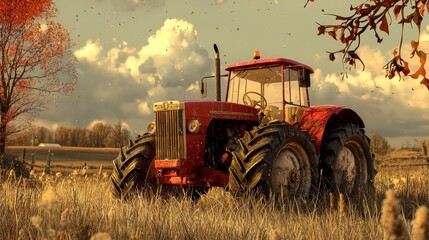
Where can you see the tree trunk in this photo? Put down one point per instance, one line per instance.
(3, 135)
(3, 132)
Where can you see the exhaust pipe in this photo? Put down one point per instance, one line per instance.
(217, 74)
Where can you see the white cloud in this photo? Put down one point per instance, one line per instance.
(374, 59)
(145, 109)
(94, 122)
(123, 82)
(90, 52)
(172, 54)
(218, 2)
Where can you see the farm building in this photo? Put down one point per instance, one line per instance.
(49, 145)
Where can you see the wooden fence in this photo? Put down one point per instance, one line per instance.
(418, 160)
(49, 166)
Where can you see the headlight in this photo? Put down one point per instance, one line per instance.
(151, 127)
(193, 126)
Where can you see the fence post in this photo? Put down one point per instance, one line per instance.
(48, 164)
(425, 151)
(23, 155)
(32, 161)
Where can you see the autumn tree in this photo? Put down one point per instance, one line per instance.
(36, 61)
(61, 135)
(120, 135)
(40, 135)
(379, 144)
(79, 137)
(376, 16)
(99, 134)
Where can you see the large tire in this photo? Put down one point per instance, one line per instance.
(347, 163)
(133, 169)
(275, 160)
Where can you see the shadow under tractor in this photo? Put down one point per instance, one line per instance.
(264, 138)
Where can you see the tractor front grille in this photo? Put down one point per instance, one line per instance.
(170, 134)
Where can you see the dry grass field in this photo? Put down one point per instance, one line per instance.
(78, 206)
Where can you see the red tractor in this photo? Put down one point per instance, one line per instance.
(265, 137)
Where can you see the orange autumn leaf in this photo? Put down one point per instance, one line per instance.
(384, 25)
(421, 71)
(425, 82)
(406, 69)
(397, 10)
(422, 10)
(20, 12)
(321, 30)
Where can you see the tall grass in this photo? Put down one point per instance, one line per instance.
(79, 206)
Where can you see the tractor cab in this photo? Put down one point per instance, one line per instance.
(277, 87)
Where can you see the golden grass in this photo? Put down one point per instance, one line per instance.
(79, 206)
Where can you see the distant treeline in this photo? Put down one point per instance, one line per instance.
(99, 135)
(105, 135)
(380, 145)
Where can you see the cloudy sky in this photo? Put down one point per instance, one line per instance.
(132, 53)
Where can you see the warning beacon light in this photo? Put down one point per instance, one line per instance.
(256, 55)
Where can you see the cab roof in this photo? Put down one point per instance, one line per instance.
(254, 63)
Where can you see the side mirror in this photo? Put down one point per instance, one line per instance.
(204, 90)
(304, 78)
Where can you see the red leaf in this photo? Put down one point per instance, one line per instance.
(333, 34)
(396, 10)
(384, 25)
(406, 69)
(342, 38)
(425, 82)
(341, 18)
(371, 22)
(321, 30)
(365, 11)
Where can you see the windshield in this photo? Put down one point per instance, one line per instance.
(266, 82)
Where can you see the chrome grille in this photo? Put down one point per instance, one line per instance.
(170, 134)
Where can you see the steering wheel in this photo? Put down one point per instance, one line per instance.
(247, 100)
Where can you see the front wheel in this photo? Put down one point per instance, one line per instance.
(133, 169)
(274, 159)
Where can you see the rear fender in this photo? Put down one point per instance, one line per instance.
(318, 118)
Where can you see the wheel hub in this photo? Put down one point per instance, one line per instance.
(345, 171)
(286, 174)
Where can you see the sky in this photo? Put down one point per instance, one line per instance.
(133, 53)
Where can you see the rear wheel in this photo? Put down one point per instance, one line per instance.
(274, 159)
(347, 163)
(133, 169)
